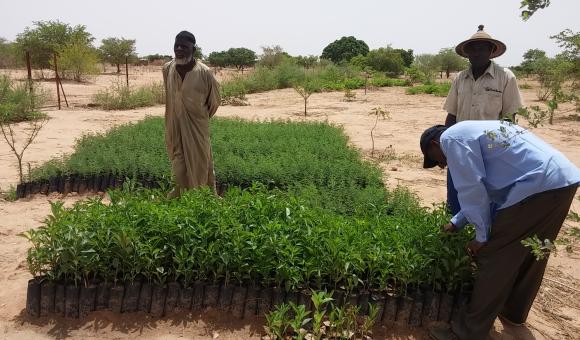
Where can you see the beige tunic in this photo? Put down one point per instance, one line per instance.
(189, 106)
(493, 95)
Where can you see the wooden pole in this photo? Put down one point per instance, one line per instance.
(127, 69)
(57, 81)
(29, 69)
(63, 94)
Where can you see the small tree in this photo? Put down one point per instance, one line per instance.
(305, 90)
(241, 58)
(17, 104)
(344, 49)
(378, 112)
(115, 50)
(272, 56)
(307, 61)
(386, 60)
(48, 38)
(9, 55)
(449, 61)
(77, 60)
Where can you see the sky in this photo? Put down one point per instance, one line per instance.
(302, 27)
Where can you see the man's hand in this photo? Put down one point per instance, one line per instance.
(449, 228)
(473, 248)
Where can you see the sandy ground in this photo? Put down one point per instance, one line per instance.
(555, 315)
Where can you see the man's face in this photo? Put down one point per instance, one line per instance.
(183, 50)
(435, 153)
(478, 53)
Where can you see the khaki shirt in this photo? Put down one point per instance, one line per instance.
(495, 93)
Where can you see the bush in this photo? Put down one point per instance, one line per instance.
(77, 61)
(18, 103)
(439, 90)
(121, 97)
(325, 77)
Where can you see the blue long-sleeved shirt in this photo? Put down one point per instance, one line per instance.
(495, 165)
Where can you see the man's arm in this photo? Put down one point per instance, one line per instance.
(511, 98)
(450, 120)
(468, 171)
(213, 100)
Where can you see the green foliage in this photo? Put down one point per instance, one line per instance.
(115, 50)
(239, 58)
(18, 103)
(272, 56)
(77, 61)
(344, 49)
(529, 7)
(407, 56)
(427, 65)
(449, 61)
(324, 77)
(241, 157)
(540, 249)
(48, 38)
(120, 97)
(438, 89)
(10, 56)
(386, 60)
(532, 60)
(306, 61)
(249, 236)
(10, 195)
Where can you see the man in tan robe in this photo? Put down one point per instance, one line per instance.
(192, 98)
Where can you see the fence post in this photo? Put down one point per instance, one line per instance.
(29, 69)
(127, 69)
(57, 81)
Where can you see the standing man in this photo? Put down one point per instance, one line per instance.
(485, 91)
(511, 185)
(192, 98)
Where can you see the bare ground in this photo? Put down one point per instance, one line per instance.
(555, 314)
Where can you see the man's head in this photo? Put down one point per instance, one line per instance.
(432, 153)
(184, 47)
(480, 48)
(479, 52)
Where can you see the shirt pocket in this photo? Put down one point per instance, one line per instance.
(493, 103)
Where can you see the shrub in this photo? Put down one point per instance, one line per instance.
(121, 97)
(18, 103)
(439, 90)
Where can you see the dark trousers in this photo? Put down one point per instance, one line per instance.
(509, 276)
(452, 200)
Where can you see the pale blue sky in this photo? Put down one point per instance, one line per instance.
(301, 26)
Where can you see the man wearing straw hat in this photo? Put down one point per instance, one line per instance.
(192, 98)
(485, 91)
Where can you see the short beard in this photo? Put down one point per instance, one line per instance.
(184, 61)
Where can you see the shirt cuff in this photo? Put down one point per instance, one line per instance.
(459, 221)
(480, 236)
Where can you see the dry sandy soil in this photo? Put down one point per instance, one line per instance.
(556, 312)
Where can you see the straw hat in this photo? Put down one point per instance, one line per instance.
(481, 35)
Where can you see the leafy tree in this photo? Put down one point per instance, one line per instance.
(407, 56)
(386, 60)
(344, 49)
(115, 50)
(428, 65)
(218, 59)
(359, 62)
(532, 58)
(78, 60)
(449, 61)
(9, 55)
(49, 37)
(306, 61)
(272, 56)
(531, 6)
(239, 58)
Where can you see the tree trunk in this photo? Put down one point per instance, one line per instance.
(305, 101)
(118, 68)
(447, 72)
